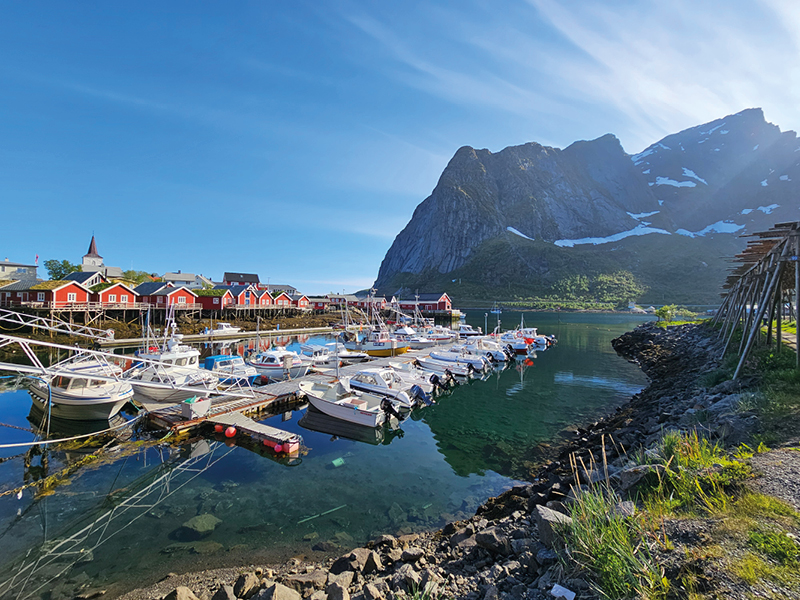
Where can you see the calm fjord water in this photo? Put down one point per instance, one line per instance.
(117, 522)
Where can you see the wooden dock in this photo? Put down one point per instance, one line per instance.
(222, 337)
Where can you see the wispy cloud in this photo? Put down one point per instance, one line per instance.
(647, 69)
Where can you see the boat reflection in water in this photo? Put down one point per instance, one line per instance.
(316, 420)
(63, 428)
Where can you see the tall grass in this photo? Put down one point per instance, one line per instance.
(613, 548)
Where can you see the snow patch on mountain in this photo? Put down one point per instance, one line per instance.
(519, 233)
(668, 181)
(718, 227)
(638, 230)
(764, 183)
(693, 175)
(646, 172)
(746, 211)
(768, 209)
(638, 216)
(784, 178)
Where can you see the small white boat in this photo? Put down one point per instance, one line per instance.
(76, 395)
(465, 331)
(439, 334)
(481, 346)
(335, 400)
(479, 363)
(224, 328)
(175, 365)
(279, 364)
(385, 381)
(230, 369)
(444, 368)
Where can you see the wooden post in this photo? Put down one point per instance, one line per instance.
(762, 305)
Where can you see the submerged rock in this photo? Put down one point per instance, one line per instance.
(198, 527)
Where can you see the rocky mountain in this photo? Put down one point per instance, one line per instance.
(516, 222)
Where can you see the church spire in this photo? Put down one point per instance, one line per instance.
(92, 253)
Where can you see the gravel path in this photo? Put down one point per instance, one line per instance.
(779, 474)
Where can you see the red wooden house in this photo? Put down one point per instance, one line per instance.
(57, 294)
(160, 294)
(300, 301)
(243, 295)
(283, 300)
(428, 302)
(263, 298)
(214, 299)
(113, 295)
(318, 302)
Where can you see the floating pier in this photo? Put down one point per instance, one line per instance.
(269, 399)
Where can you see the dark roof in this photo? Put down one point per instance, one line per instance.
(318, 299)
(93, 250)
(297, 297)
(18, 286)
(171, 289)
(149, 288)
(6, 263)
(235, 289)
(81, 276)
(241, 277)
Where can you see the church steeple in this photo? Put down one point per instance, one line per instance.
(92, 253)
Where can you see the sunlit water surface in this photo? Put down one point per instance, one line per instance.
(117, 522)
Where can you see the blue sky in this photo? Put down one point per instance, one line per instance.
(295, 139)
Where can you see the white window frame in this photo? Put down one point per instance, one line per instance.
(112, 297)
(181, 299)
(72, 297)
(40, 296)
(123, 298)
(216, 300)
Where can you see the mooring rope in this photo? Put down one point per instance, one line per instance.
(17, 427)
(76, 437)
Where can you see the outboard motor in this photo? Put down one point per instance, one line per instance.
(449, 379)
(437, 383)
(388, 408)
(509, 350)
(419, 394)
(490, 357)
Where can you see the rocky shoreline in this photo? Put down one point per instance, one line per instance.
(508, 549)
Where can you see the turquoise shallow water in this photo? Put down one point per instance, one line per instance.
(117, 523)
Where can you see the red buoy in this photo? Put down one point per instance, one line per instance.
(219, 428)
(230, 431)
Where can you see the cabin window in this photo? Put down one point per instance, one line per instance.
(181, 299)
(123, 298)
(160, 300)
(193, 360)
(181, 362)
(40, 296)
(112, 297)
(78, 384)
(167, 361)
(71, 297)
(216, 300)
(19, 294)
(96, 383)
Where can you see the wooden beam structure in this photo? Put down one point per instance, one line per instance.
(756, 288)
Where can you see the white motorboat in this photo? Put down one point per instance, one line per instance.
(173, 365)
(385, 381)
(479, 363)
(414, 372)
(224, 329)
(335, 400)
(515, 340)
(280, 364)
(443, 368)
(439, 334)
(230, 369)
(76, 393)
(479, 346)
(465, 331)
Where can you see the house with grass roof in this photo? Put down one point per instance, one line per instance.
(113, 295)
(216, 299)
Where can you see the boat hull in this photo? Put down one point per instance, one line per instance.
(80, 408)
